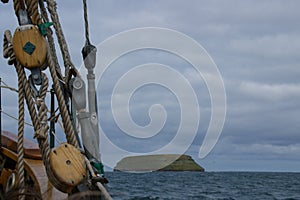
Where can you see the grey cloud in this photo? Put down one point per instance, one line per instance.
(256, 46)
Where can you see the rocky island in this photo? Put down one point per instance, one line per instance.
(163, 162)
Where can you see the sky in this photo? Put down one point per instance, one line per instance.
(255, 46)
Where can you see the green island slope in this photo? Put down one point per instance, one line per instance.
(163, 162)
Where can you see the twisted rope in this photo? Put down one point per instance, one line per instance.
(50, 39)
(69, 67)
(52, 67)
(86, 23)
(39, 128)
(17, 7)
(69, 131)
(33, 11)
(42, 133)
(21, 177)
(40, 120)
(8, 51)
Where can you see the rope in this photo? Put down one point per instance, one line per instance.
(69, 131)
(41, 133)
(50, 39)
(39, 128)
(8, 87)
(86, 23)
(33, 11)
(69, 67)
(102, 189)
(3, 82)
(17, 8)
(14, 118)
(57, 140)
(21, 177)
(39, 122)
(8, 51)
(37, 101)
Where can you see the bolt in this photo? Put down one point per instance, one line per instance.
(35, 77)
(77, 84)
(94, 116)
(68, 162)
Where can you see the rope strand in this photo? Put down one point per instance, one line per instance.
(86, 23)
(15, 118)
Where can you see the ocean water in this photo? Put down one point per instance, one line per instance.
(205, 185)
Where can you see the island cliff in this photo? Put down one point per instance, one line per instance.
(164, 162)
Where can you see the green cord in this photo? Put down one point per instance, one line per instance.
(43, 28)
(98, 166)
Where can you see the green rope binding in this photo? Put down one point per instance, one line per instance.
(98, 166)
(43, 27)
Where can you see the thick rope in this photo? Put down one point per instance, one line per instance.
(33, 11)
(40, 130)
(69, 131)
(42, 133)
(8, 51)
(50, 39)
(17, 7)
(21, 177)
(61, 40)
(40, 121)
(60, 98)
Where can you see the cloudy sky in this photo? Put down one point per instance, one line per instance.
(255, 45)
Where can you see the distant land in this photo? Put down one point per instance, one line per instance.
(163, 162)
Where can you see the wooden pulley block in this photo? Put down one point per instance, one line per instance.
(68, 166)
(29, 46)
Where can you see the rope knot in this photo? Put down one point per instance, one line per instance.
(41, 133)
(39, 102)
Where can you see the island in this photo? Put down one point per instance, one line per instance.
(161, 162)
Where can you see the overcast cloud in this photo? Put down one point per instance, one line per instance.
(256, 46)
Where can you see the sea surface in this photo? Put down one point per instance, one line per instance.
(204, 185)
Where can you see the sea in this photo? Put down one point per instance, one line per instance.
(204, 185)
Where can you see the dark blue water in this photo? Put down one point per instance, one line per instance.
(207, 185)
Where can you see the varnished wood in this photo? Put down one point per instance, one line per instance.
(5, 174)
(67, 164)
(10, 141)
(29, 33)
(36, 171)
